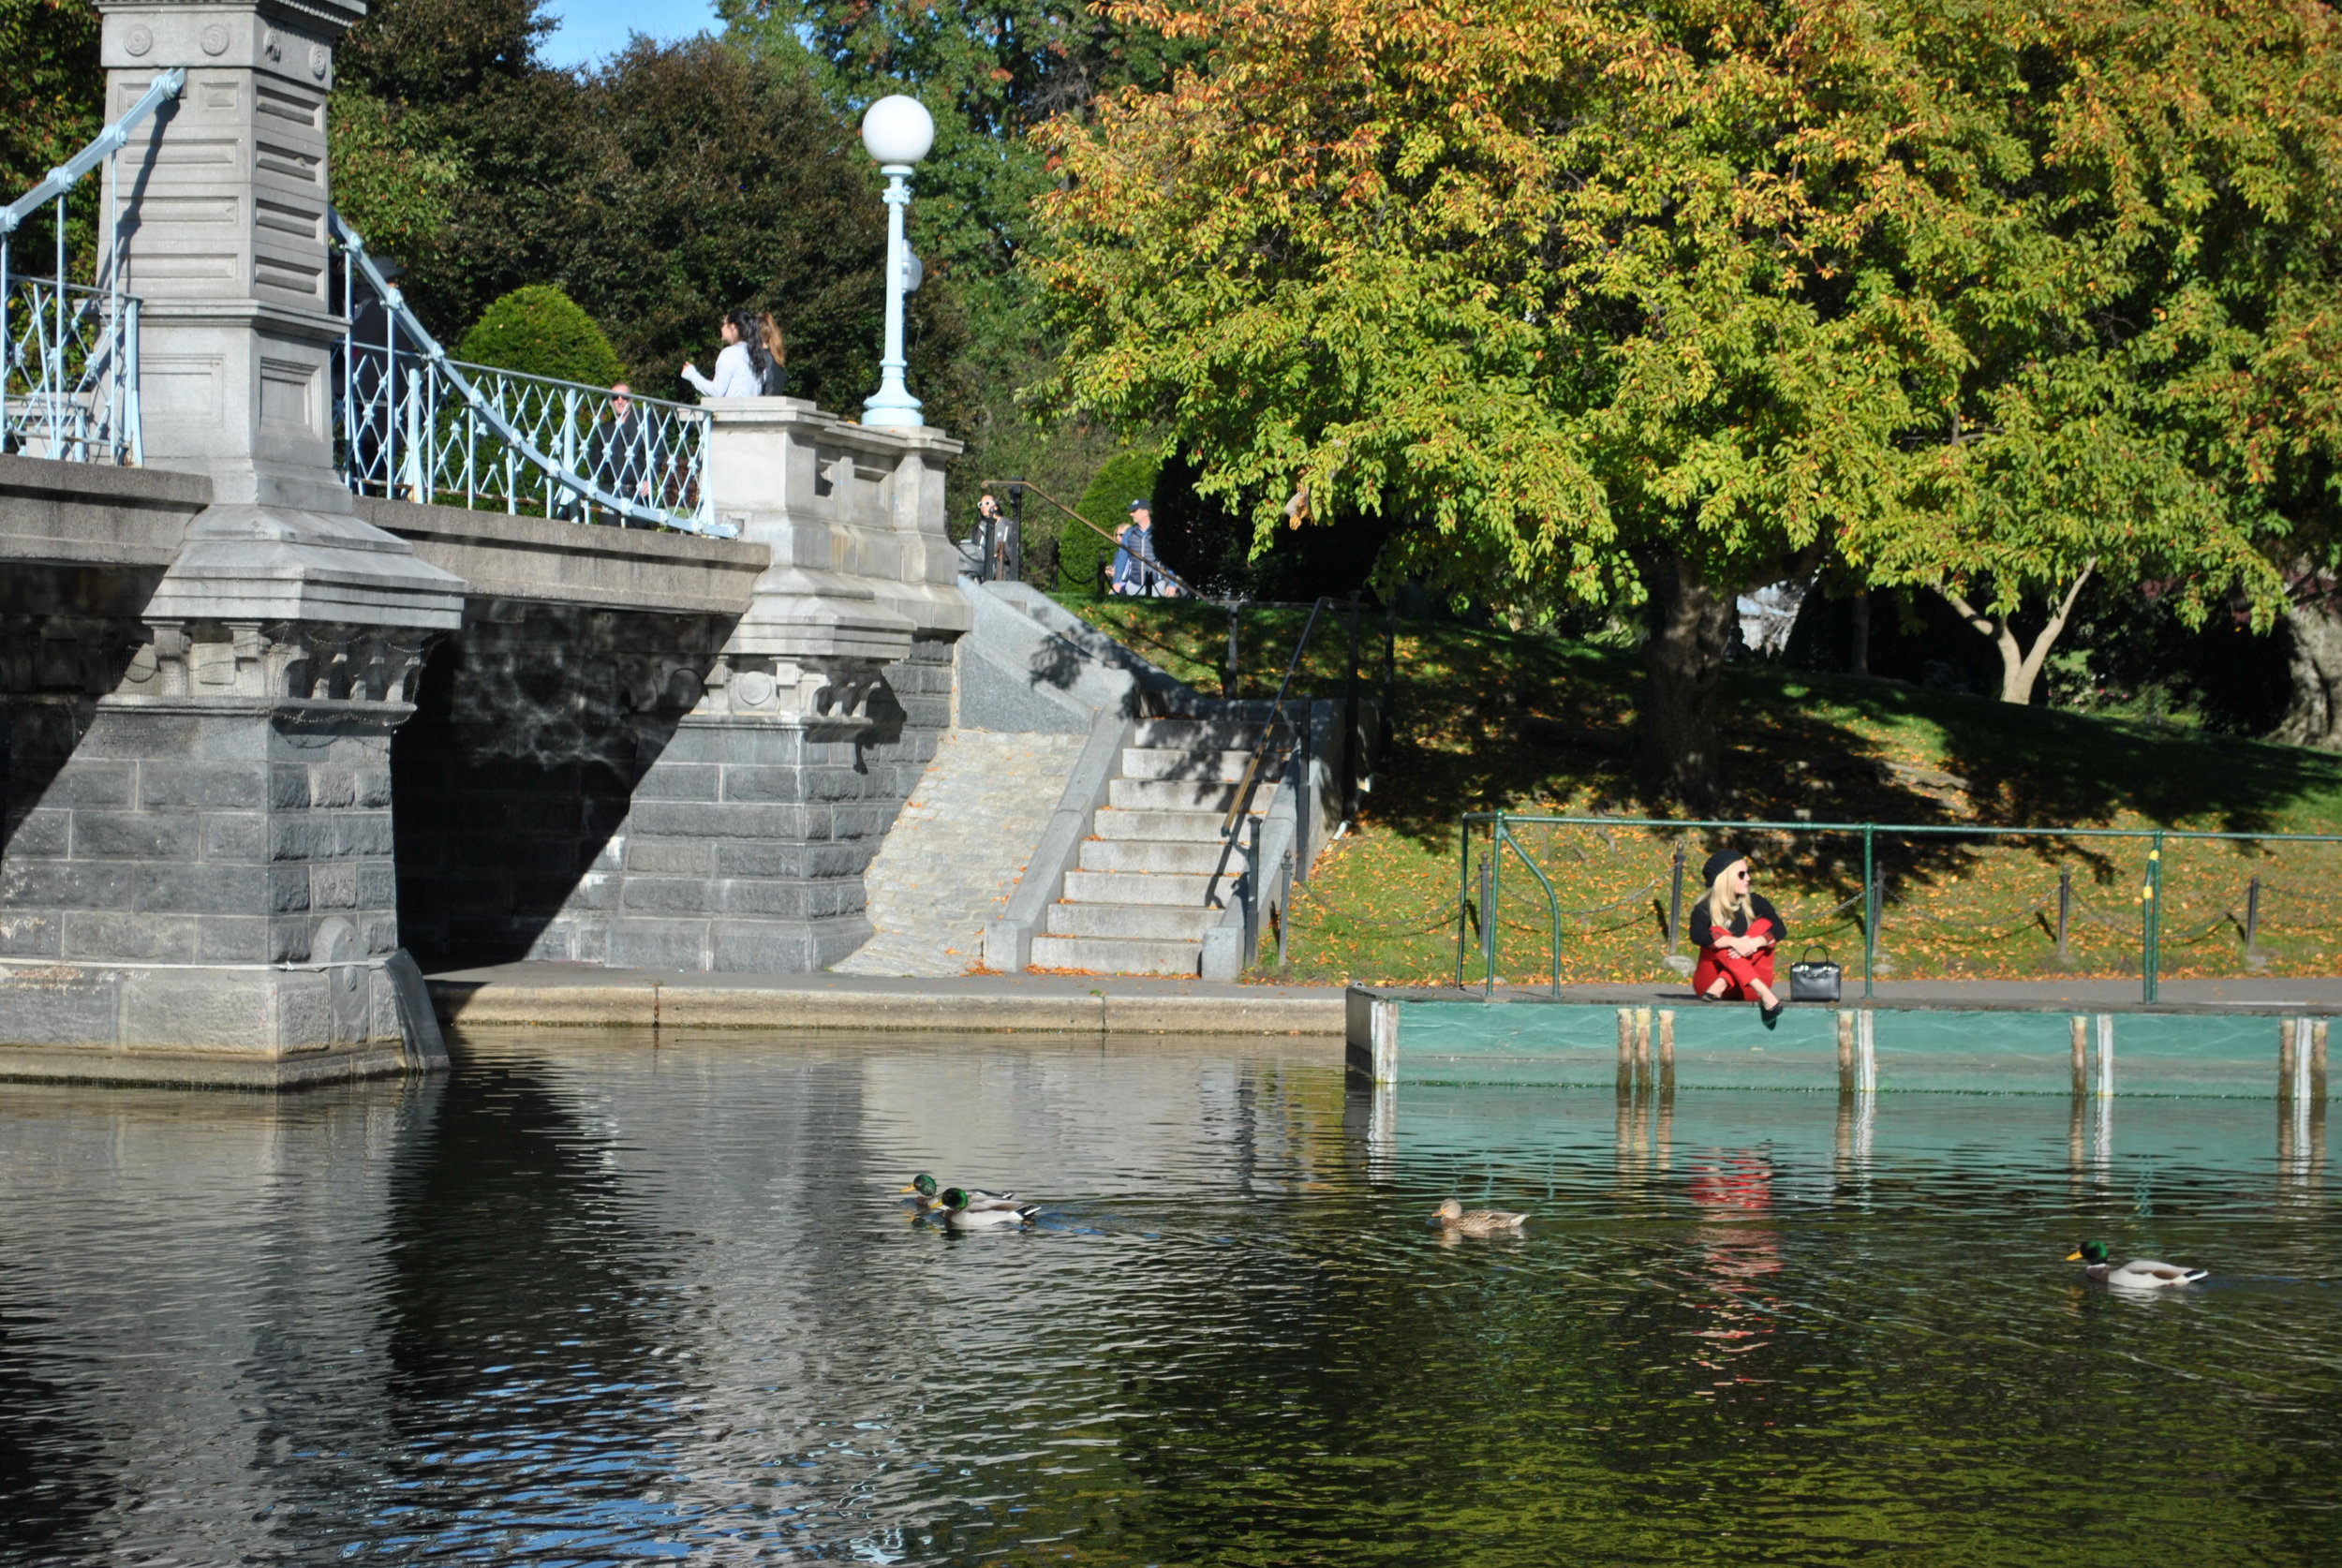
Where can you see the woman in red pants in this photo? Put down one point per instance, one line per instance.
(1736, 931)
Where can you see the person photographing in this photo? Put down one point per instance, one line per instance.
(1736, 930)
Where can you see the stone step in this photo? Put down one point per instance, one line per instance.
(1176, 794)
(1189, 827)
(1158, 855)
(1132, 922)
(1183, 889)
(1139, 762)
(1104, 956)
(1187, 734)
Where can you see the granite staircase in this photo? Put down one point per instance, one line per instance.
(1155, 874)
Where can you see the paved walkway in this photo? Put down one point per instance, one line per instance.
(955, 856)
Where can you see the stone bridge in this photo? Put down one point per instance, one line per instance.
(264, 736)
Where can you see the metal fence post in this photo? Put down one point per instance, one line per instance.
(1870, 905)
(2065, 913)
(1285, 911)
(2151, 925)
(1675, 906)
(1017, 535)
(1305, 787)
(2252, 923)
(1350, 722)
(1488, 919)
(1228, 679)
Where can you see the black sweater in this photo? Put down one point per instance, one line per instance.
(1703, 930)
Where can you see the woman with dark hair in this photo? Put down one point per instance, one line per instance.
(1736, 931)
(740, 368)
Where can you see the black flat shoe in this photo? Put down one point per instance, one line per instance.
(1770, 1015)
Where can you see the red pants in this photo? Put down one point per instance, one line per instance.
(1739, 974)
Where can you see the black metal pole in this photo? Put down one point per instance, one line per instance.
(1017, 534)
(1228, 680)
(1390, 673)
(987, 544)
(2252, 920)
(1350, 722)
(1675, 906)
(1305, 789)
(2064, 914)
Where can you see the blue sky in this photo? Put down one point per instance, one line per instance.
(592, 30)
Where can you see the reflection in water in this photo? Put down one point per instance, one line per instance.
(591, 1300)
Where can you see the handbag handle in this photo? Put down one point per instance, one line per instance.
(1814, 947)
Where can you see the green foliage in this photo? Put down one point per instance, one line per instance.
(539, 331)
(51, 91)
(1128, 476)
(396, 185)
(1602, 300)
(674, 183)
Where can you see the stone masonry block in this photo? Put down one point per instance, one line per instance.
(748, 783)
(67, 884)
(287, 888)
(728, 819)
(686, 781)
(202, 888)
(135, 835)
(758, 896)
(362, 833)
(177, 786)
(666, 895)
(289, 787)
(637, 943)
(378, 884)
(752, 859)
(30, 935)
(680, 857)
(105, 934)
(334, 886)
(764, 947)
(119, 733)
(234, 939)
(41, 836)
(81, 782)
(373, 788)
(331, 788)
(378, 930)
(728, 741)
(60, 1005)
(235, 835)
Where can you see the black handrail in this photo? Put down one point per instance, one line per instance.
(1269, 725)
(1177, 581)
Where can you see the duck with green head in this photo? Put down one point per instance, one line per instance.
(2140, 1274)
(964, 1210)
(927, 1197)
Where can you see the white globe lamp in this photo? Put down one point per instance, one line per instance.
(896, 131)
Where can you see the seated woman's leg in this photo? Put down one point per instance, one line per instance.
(1714, 976)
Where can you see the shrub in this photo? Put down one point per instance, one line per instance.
(540, 330)
(1127, 477)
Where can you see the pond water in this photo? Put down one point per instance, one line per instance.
(591, 1300)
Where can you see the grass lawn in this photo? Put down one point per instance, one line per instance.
(1530, 722)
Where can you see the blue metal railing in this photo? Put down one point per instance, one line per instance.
(69, 351)
(412, 423)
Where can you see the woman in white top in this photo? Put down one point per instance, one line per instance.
(737, 372)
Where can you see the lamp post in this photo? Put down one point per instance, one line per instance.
(896, 131)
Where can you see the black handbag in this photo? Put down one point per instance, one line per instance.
(1810, 980)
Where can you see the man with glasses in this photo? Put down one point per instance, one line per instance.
(620, 457)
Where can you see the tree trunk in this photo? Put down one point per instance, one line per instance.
(2021, 666)
(1693, 626)
(2313, 717)
(1858, 655)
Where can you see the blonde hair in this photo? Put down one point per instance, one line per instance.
(768, 331)
(1724, 902)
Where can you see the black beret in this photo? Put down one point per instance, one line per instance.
(1719, 863)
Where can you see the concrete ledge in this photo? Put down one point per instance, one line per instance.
(547, 560)
(190, 1069)
(95, 514)
(577, 997)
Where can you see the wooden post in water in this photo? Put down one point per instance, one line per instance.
(1845, 1053)
(1866, 1058)
(1627, 1050)
(2317, 1062)
(1642, 1047)
(2289, 1037)
(2081, 1055)
(1666, 1051)
(2106, 1056)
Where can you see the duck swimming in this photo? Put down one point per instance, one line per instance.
(2140, 1274)
(927, 1198)
(966, 1210)
(1452, 1217)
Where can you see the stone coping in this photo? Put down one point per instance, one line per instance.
(501, 556)
(577, 996)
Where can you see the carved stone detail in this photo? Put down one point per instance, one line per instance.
(277, 662)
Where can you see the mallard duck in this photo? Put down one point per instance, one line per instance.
(927, 1198)
(2140, 1274)
(1453, 1217)
(964, 1208)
